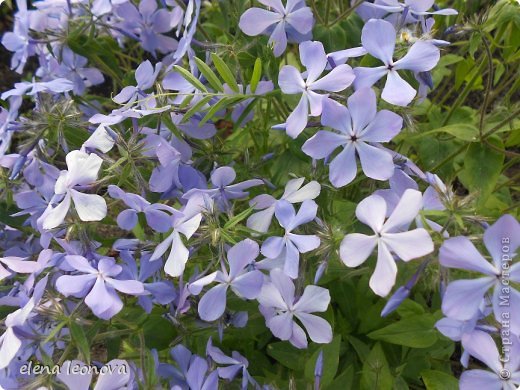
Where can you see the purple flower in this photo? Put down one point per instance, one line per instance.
(378, 38)
(11, 341)
(291, 81)
(415, 8)
(145, 76)
(186, 223)
(82, 171)
(192, 372)
(278, 22)
(19, 41)
(389, 236)
(244, 283)
(293, 193)
(73, 67)
(223, 191)
(150, 24)
(504, 375)
(359, 127)
(101, 139)
(280, 307)
(160, 292)
(58, 85)
(158, 216)
(464, 297)
(98, 286)
(234, 364)
(17, 265)
(289, 247)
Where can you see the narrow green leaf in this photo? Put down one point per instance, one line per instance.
(239, 217)
(257, 74)
(190, 78)
(196, 108)
(209, 75)
(220, 105)
(225, 72)
(78, 335)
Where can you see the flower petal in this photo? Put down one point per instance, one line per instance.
(256, 20)
(459, 252)
(462, 298)
(378, 38)
(213, 303)
(355, 248)
(383, 278)
(409, 245)
(372, 211)
(405, 211)
(319, 330)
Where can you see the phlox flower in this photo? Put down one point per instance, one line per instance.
(192, 371)
(278, 22)
(359, 126)
(145, 76)
(389, 236)
(504, 375)
(82, 171)
(73, 67)
(185, 223)
(244, 283)
(464, 297)
(293, 193)
(223, 191)
(97, 286)
(281, 307)
(308, 84)
(11, 341)
(414, 8)
(289, 247)
(150, 24)
(234, 364)
(158, 216)
(378, 38)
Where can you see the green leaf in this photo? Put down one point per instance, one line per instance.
(209, 75)
(220, 105)
(330, 362)
(438, 380)
(158, 332)
(415, 331)
(257, 74)
(225, 72)
(196, 108)
(78, 335)
(190, 78)
(7, 219)
(286, 354)
(376, 373)
(239, 217)
(482, 168)
(409, 308)
(465, 132)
